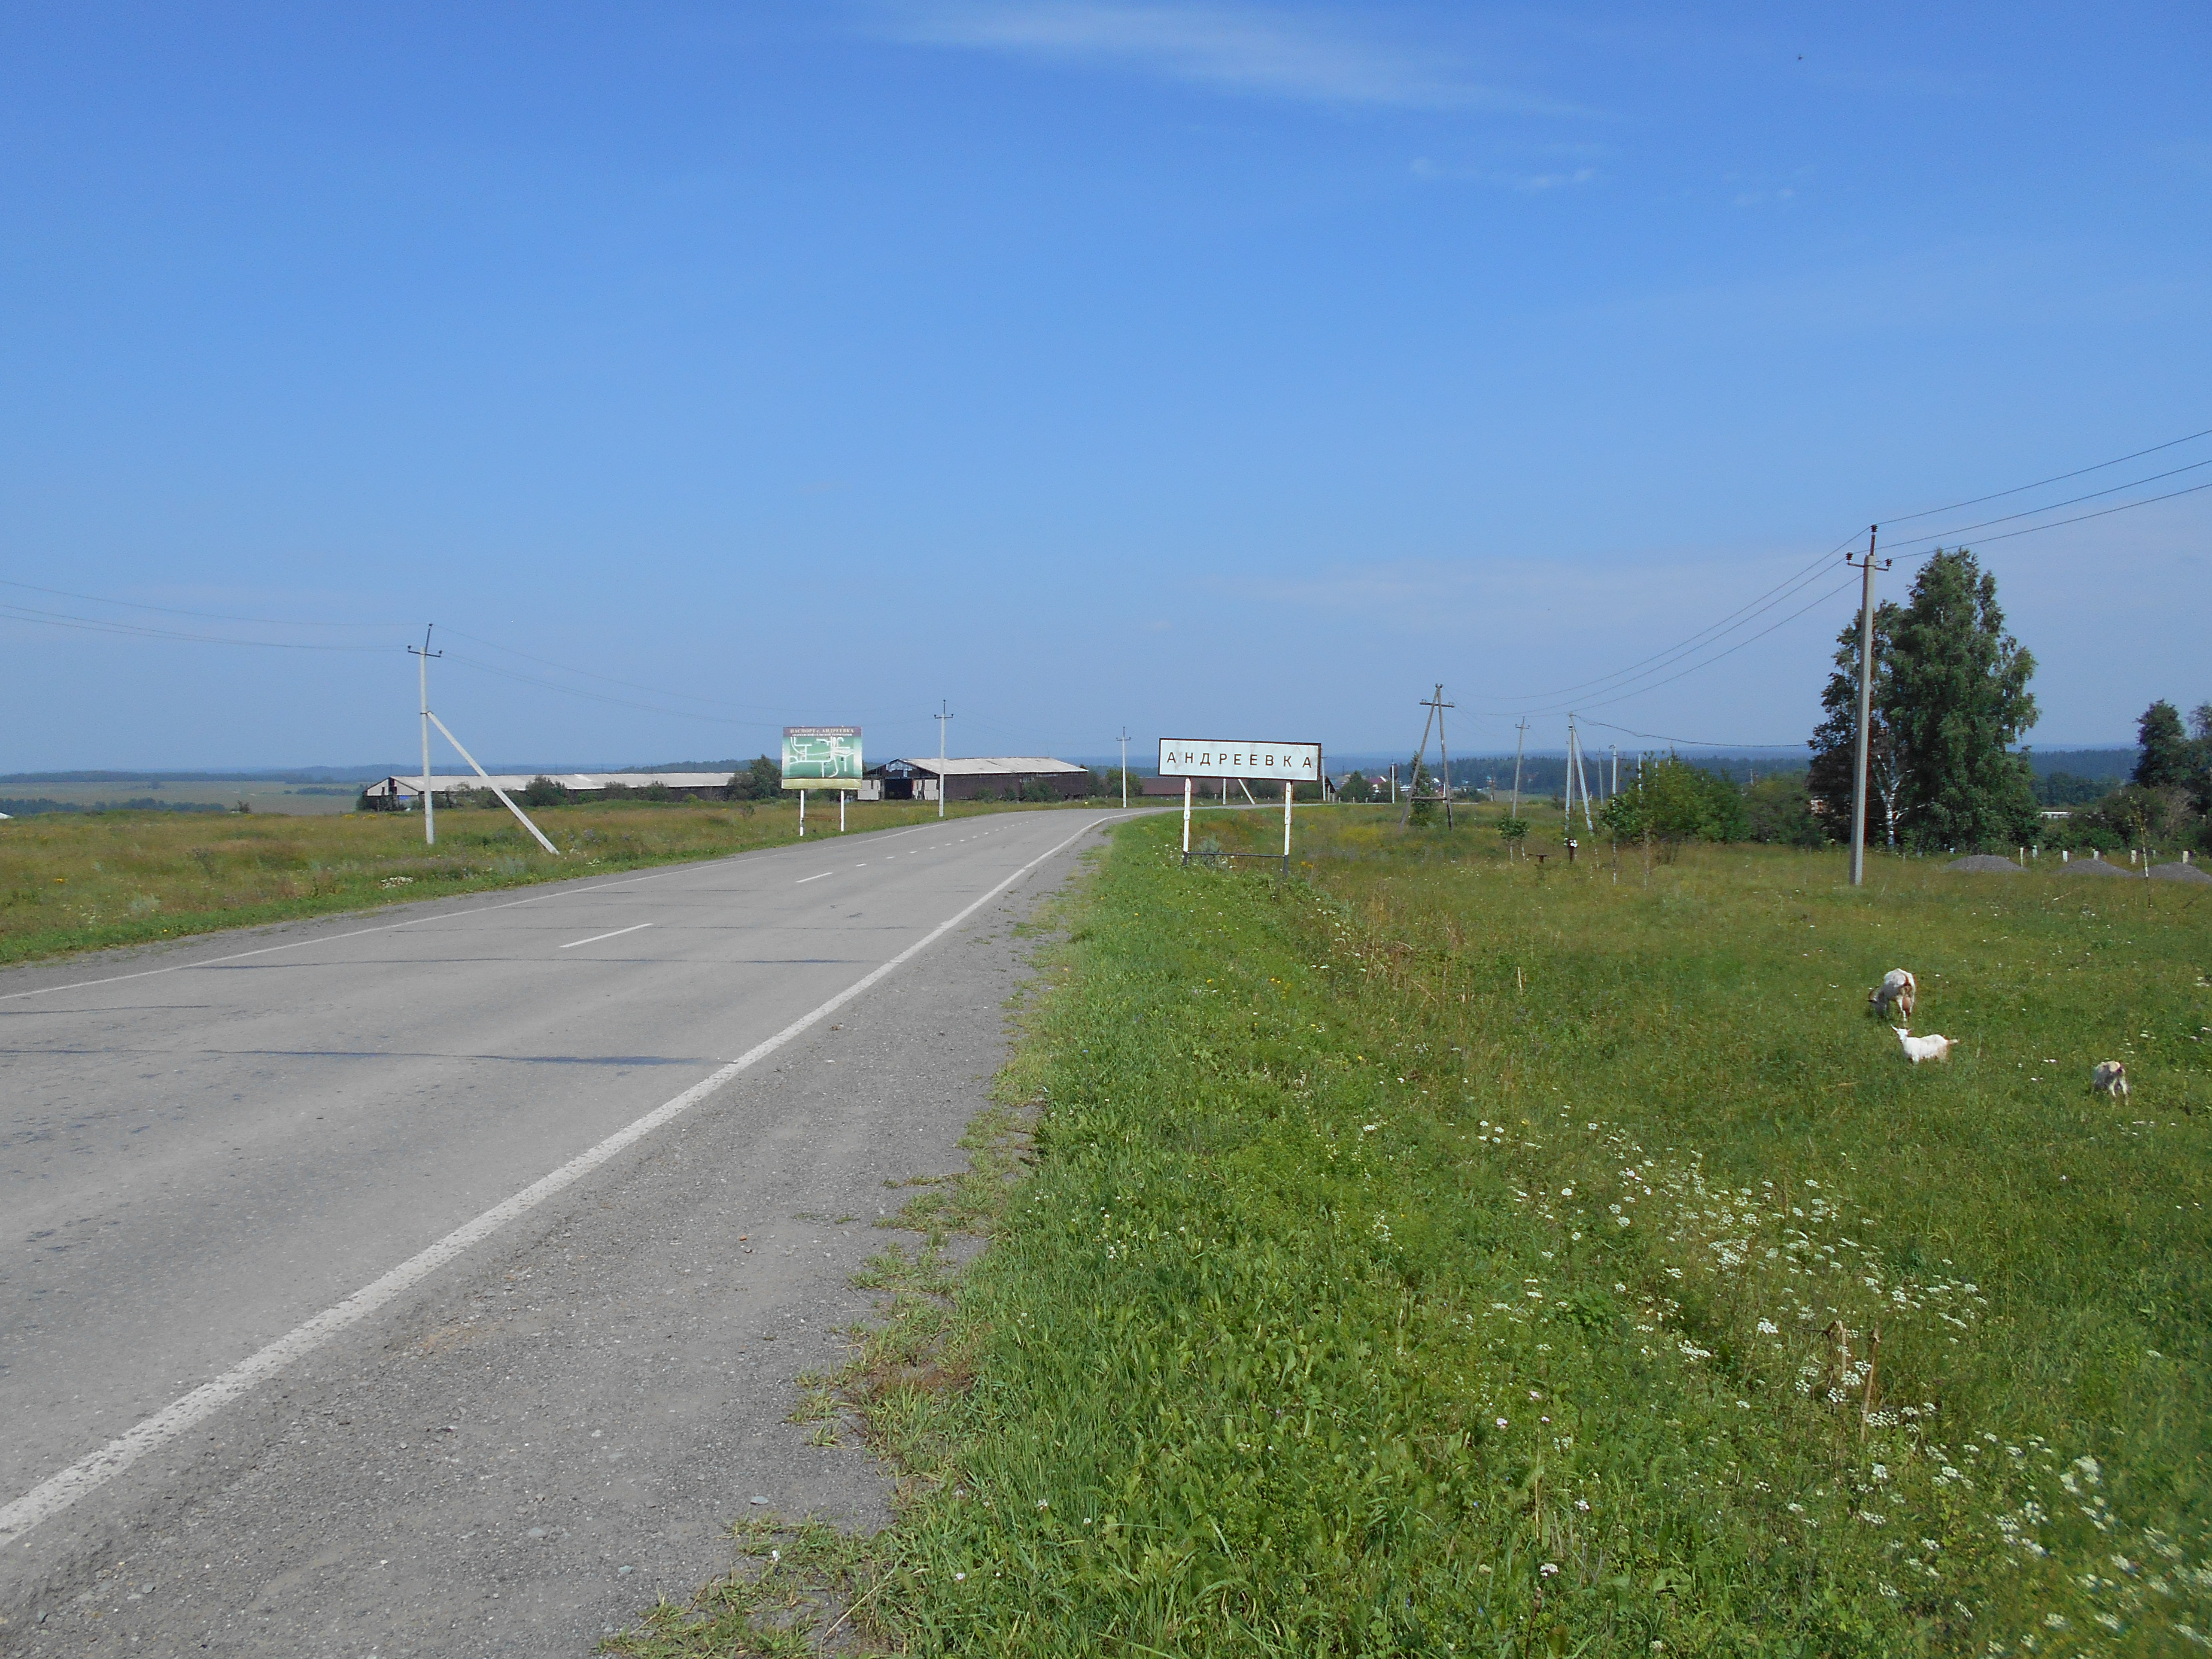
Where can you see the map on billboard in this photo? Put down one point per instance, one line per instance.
(821, 758)
(1285, 763)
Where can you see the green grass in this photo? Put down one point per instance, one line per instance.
(76, 882)
(1432, 1255)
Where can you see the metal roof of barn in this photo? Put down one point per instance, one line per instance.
(515, 782)
(1000, 766)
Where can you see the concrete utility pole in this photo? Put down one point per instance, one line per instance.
(1125, 769)
(429, 806)
(1866, 707)
(943, 714)
(1518, 743)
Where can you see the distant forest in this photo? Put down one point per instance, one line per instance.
(2063, 777)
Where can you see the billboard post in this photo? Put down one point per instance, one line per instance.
(821, 758)
(1189, 758)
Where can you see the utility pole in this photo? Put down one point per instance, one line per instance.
(1519, 743)
(429, 808)
(943, 714)
(1576, 775)
(1437, 705)
(1866, 707)
(1615, 788)
(1125, 769)
(1414, 777)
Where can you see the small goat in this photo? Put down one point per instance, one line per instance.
(1923, 1047)
(2110, 1078)
(1898, 990)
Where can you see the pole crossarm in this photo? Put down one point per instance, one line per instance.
(489, 785)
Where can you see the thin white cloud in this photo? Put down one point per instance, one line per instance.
(1529, 184)
(1261, 51)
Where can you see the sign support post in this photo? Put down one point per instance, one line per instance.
(1292, 763)
(821, 758)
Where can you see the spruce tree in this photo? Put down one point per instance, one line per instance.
(1957, 701)
(2162, 751)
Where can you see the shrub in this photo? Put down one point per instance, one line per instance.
(1674, 801)
(1778, 810)
(542, 791)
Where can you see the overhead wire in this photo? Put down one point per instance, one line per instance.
(1726, 624)
(36, 618)
(205, 616)
(1708, 662)
(2079, 517)
(569, 668)
(1622, 683)
(2053, 507)
(601, 696)
(1691, 742)
(2061, 477)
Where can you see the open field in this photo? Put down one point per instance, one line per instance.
(261, 794)
(1433, 1255)
(74, 883)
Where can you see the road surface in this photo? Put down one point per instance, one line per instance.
(434, 1281)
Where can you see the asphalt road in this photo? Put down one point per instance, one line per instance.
(605, 1164)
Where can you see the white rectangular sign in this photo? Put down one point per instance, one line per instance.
(1191, 757)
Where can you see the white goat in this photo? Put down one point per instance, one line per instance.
(1898, 990)
(2111, 1078)
(1923, 1047)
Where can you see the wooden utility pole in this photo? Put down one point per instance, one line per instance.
(1413, 779)
(1437, 705)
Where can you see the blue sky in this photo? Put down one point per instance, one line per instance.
(1211, 368)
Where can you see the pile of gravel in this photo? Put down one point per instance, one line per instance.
(2091, 867)
(2179, 873)
(1985, 864)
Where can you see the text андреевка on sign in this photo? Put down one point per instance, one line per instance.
(1288, 763)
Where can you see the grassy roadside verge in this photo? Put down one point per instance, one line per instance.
(71, 883)
(1440, 1257)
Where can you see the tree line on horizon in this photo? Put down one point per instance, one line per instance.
(1950, 703)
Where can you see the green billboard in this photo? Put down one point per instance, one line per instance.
(821, 758)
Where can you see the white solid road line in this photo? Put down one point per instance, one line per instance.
(596, 938)
(803, 880)
(87, 1474)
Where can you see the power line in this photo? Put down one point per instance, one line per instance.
(1623, 680)
(1691, 742)
(601, 696)
(38, 619)
(650, 691)
(2079, 517)
(1927, 513)
(172, 610)
(1726, 624)
(2053, 506)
